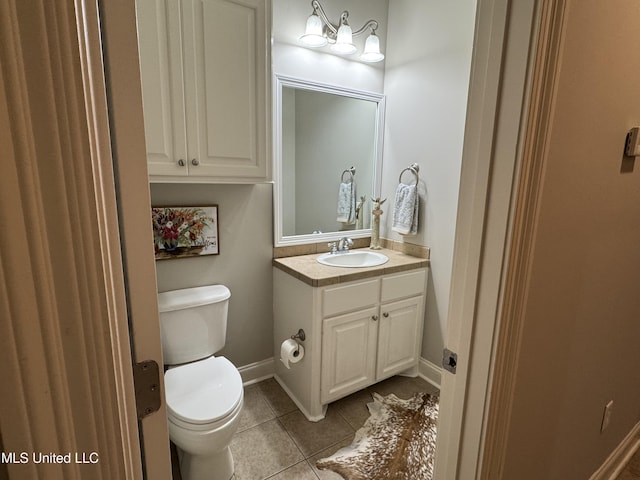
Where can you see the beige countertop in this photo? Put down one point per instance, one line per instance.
(307, 269)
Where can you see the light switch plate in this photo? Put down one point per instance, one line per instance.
(632, 146)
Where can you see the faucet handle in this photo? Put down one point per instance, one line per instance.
(333, 246)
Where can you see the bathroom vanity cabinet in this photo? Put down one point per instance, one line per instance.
(358, 332)
(382, 338)
(205, 75)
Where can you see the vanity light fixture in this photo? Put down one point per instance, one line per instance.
(320, 32)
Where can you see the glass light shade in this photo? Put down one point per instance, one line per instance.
(313, 36)
(372, 50)
(344, 41)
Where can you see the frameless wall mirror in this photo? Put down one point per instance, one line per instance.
(328, 161)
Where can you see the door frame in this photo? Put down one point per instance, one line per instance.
(65, 341)
(499, 82)
(501, 70)
(124, 97)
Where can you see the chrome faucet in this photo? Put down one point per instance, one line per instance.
(341, 246)
(344, 243)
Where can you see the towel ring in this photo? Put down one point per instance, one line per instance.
(413, 168)
(351, 171)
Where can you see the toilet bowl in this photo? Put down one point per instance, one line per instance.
(204, 396)
(204, 401)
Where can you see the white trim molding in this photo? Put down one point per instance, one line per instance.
(615, 463)
(265, 369)
(535, 131)
(430, 372)
(301, 407)
(257, 371)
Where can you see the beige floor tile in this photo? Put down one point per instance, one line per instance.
(354, 408)
(256, 409)
(277, 397)
(262, 451)
(313, 437)
(300, 471)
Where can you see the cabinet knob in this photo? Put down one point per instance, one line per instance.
(195, 162)
(181, 162)
(385, 314)
(374, 318)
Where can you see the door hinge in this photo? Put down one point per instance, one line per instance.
(146, 379)
(449, 360)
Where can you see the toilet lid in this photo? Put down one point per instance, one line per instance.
(204, 391)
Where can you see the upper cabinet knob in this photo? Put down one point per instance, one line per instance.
(195, 162)
(385, 314)
(181, 162)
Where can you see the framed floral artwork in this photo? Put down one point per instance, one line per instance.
(180, 232)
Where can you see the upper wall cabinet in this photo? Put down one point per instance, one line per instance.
(205, 86)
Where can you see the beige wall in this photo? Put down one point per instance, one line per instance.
(243, 265)
(581, 326)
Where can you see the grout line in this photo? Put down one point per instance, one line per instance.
(292, 439)
(283, 470)
(312, 469)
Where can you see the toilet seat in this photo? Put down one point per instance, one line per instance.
(203, 394)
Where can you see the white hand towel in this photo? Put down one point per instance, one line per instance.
(347, 203)
(405, 210)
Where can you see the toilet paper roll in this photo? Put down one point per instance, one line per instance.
(291, 352)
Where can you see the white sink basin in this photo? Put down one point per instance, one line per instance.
(354, 259)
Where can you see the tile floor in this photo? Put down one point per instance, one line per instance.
(276, 442)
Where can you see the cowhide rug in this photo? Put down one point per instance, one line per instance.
(397, 442)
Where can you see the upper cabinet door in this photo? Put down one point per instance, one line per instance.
(226, 87)
(161, 51)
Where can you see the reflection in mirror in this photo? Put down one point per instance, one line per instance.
(327, 160)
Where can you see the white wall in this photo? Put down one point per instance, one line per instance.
(289, 58)
(425, 77)
(428, 62)
(427, 70)
(244, 263)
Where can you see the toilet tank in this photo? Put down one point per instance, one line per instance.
(193, 322)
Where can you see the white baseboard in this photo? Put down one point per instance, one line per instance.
(258, 371)
(302, 408)
(430, 372)
(615, 463)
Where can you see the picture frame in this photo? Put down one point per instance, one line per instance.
(180, 232)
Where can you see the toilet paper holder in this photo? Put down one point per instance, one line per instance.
(300, 335)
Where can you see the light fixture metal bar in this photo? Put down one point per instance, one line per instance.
(370, 23)
(317, 8)
(320, 11)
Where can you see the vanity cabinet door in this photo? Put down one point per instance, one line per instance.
(160, 46)
(348, 353)
(399, 336)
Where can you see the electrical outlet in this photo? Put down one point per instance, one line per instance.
(606, 416)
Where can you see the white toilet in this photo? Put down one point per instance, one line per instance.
(204, 393)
